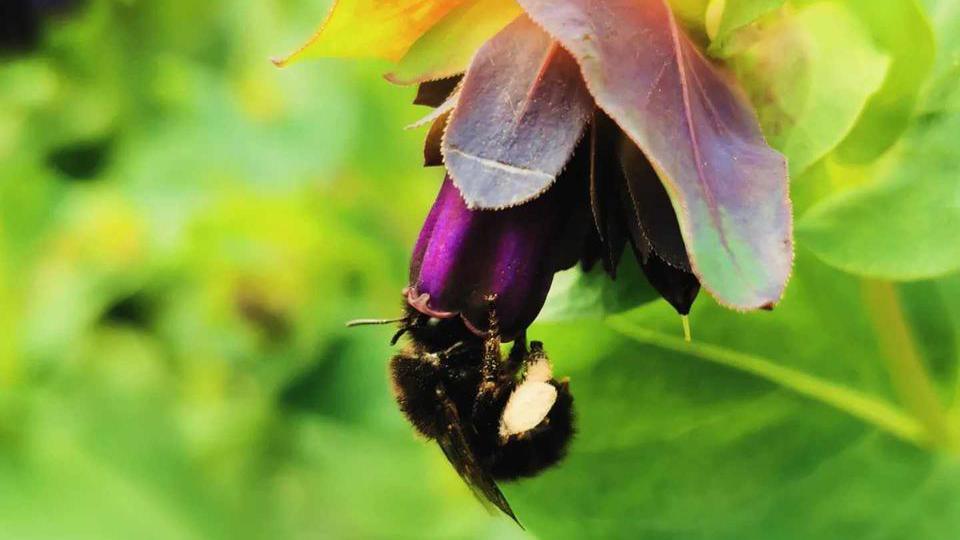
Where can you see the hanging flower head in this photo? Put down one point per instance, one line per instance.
(675, 160)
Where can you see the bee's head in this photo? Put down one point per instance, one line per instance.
(537, 422)
(427, 334)
(431, 334)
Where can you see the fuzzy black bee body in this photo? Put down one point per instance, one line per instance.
(417, 379)
(495, 418)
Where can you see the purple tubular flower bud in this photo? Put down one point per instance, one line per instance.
(464, 256)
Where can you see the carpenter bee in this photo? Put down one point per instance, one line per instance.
(495, 418)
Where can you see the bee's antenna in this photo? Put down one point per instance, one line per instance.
(373, 322)
(377, 322)
(452, 349)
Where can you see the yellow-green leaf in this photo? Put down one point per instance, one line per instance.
(691, 12)
(901, 30)
(807, 95)
(372, 28)
(723, 17)
(446, 49)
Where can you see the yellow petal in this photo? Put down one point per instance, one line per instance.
(372, 28)
(446, 49)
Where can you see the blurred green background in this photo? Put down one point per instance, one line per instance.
(184, 229)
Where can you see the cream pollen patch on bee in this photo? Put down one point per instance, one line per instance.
(539, 370)
(530, 402)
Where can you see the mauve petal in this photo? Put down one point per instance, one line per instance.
(729, 188)
(521, 111)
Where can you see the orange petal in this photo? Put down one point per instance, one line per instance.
(372, 28)
(446, 49)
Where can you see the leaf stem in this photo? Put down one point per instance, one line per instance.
(868, 408)
(907, 371)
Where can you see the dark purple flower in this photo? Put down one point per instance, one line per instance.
(525, 114)
(490, 128)
(608, 196)
(464, 257)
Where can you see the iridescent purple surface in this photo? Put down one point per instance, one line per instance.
(464, 256)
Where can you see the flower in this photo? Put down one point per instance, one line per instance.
(464, 257)
(674, 159)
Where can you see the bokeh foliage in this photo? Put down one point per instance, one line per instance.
(184, 229)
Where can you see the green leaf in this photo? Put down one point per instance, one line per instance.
(945, 16)
(723, 17)
(691, 12)
(901, 30)
(928, 307)
(769, 425)
(577, 295)
(807, 95)
(446, 49)
(903, 225)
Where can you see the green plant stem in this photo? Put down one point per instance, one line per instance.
(907, 371)
(870, 409)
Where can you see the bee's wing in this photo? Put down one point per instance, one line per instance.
(459, 452)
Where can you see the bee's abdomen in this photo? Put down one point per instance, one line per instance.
(415, 384)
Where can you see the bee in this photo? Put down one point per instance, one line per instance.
(495, 418)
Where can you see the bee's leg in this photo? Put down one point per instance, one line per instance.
(495, 386)
(536, 364)
(518, 355)
(406, 324)
(537, 421)
(444, 355)
(486, 414)
(396, 337)
(492, 367)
